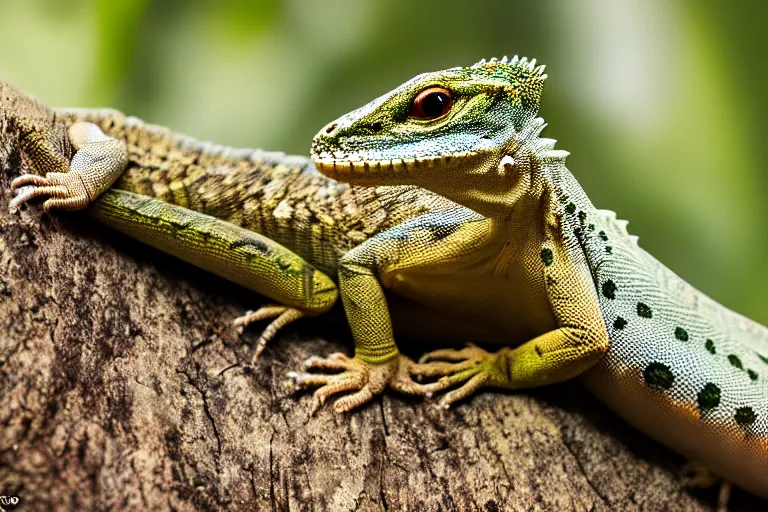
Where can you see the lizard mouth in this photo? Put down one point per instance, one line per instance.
(353, 166)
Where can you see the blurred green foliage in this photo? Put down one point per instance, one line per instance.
(661, 104)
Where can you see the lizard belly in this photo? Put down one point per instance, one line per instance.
(457, 306)
(737, 455)
(684, 369)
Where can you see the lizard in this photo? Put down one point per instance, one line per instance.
(436, 210)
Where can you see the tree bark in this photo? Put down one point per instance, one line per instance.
(124, 386)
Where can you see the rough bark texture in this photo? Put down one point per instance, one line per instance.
(123, 386)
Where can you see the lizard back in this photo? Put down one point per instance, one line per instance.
(680, 366)
(280, 196)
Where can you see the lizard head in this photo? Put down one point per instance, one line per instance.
(442, 130)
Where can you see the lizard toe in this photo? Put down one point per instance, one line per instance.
(402, 380)
(335, 362)
(63, 191)
(470, 368)
(469, 388)
(452, 354)
(281, 315)
(26, 180)
(442, 368)
(364, 380)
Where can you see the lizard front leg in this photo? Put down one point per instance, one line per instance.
(552, 357)
(97, 163)
(429, 241)
(377, 362)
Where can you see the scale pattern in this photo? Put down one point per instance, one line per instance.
(680, 366)
(279, 196)
(676, 352)
(679, 341)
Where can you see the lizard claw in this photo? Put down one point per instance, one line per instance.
(64, 191)
(94, 167)
(365, 380)
(282, 315)
(472, 367)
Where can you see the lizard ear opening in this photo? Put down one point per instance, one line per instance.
(431, 103)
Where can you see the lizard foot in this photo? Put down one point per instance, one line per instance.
(365, 379)
(96, 164)
(697, 475)
(472, 367)
(282, 315)
(64, 191)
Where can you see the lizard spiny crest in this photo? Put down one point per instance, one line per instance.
(526, 78)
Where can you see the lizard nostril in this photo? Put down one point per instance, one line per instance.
(329, 129)
(376, 127)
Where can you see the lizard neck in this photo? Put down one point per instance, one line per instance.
(544, 195)
(527, 169)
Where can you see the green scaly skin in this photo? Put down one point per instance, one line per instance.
(470, 221)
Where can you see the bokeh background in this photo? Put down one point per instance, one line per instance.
(661, 103)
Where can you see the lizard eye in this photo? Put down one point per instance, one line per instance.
(431, 103)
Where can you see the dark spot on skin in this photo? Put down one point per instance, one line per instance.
(591, 227)
(256, 244)
(329, 129)
(745, 416)
(582, 217)
(681, 334)
(609, 289)
(752, 374)
(603, 236)
(709, 396)
(763, 358)
(283, 264)
(643, 310)
(710, 345)
(570, 208)
(609, 249)
(376, 127)
(440, 232)
(735, 361)
(578, 232)
(538, 350)
(547, 257)
(658, 375)
(620, 323)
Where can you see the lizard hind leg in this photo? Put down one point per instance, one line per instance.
(697, 475)
(280, 316)
(98, 162)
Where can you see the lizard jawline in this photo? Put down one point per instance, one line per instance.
(341, 169)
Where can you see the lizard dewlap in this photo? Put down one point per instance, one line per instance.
(437, 210)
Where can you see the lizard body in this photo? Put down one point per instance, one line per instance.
(451, 201)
